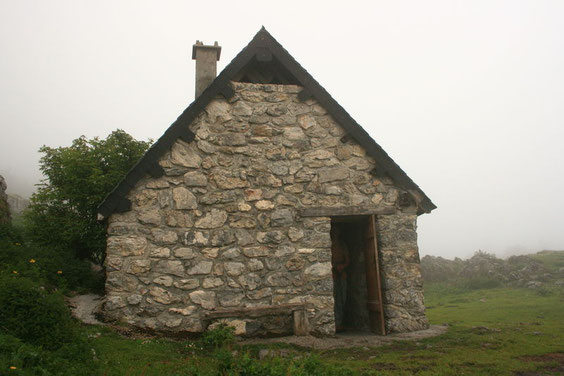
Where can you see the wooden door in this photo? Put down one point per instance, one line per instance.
(374, 287)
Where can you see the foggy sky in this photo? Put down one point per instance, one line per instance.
(466, 96)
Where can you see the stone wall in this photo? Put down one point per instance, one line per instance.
(221, 228)
(402, 283)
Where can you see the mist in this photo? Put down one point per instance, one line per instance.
(467, 97)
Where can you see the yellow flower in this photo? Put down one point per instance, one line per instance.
(17, 243)
(32, 261)
(15, 271)
(59, 272)
(12, 367)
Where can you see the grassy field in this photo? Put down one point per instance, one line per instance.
(491, 331)
(502, 331)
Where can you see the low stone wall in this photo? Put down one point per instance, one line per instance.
(222, 228)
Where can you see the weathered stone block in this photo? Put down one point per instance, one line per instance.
(318, 270)
(233, 268)
(139, 266)
(281, 218)
(164, 280)
(255, 265)
(170, 267)
(333, 174)
(183, 154)
(198, 238)
(202, 267)
(150, 217)
(275, 237)
(160, 252)
(126, 245)
(114, 302)
(212, 282)
(164, 237)
(195, 179)
(162, 296)
(214, 219)
(184, 199)
(204, 298)
(187, 284)
(185, 253)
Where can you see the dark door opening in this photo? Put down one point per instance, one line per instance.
(356, 275)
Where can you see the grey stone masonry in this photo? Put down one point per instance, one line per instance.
(221, 228)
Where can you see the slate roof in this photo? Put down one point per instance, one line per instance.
(262, 48)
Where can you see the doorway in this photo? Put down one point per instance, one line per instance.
(356, 282)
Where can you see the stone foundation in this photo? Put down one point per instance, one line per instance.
(222, 227)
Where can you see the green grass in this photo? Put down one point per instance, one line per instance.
(522, 327)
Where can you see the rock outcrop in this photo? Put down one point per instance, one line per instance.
(4, 207)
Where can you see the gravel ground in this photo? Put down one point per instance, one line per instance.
(84, 306)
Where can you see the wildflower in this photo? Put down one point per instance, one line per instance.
(17, 244)
(32, 261)
(12, 367)
(59, 272)
(15, 271)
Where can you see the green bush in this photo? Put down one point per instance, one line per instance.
(55, 268)
(71, 359)
(62, 213)
(33, 315)
(218, 337)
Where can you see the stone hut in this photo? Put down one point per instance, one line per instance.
(228, 216)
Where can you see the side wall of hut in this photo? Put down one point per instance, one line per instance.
(222, 228)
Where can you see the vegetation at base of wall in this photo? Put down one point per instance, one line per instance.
(37, 334)
(34, 315)
(221, 336)
(54, 268)
(63, 211)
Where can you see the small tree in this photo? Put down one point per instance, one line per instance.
(63, 211)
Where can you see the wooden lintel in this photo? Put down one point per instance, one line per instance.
(256, 311)
(322, 211)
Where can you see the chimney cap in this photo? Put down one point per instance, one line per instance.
(200, 45)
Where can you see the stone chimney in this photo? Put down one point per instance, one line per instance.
(206, 64)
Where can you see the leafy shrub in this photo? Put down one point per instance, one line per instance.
(63, 211)
(218, 337)
(55, 268)
(71, 359)
(33, 315)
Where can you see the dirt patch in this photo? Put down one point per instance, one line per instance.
(346, 340)
(555, 364)
(83, 308)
